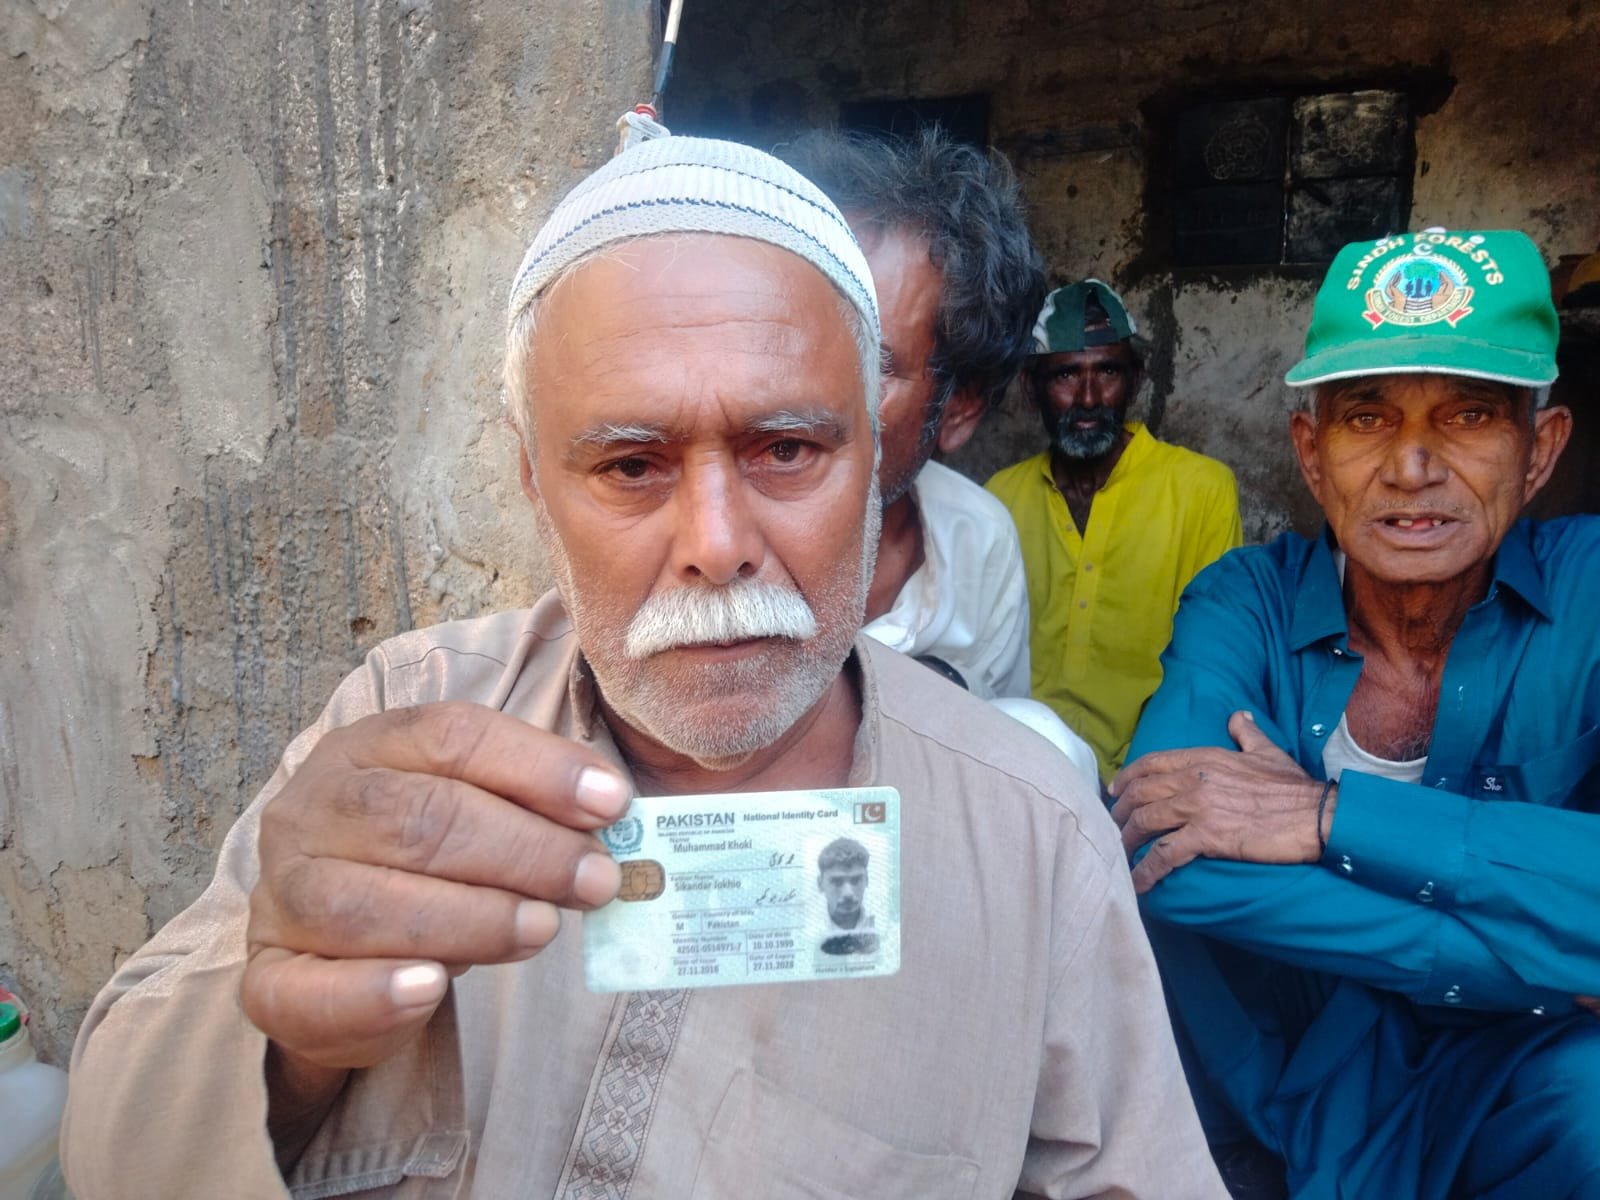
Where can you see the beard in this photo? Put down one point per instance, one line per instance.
(717, 714)
(1088, 443)
(896, 486)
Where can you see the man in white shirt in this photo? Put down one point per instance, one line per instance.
(940, 222)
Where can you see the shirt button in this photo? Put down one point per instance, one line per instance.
(1345, 865)
(1318, 730)
(1538, 1010)
(1083, 604)
(1452, 994)
(1088, 566)
(1426, 894)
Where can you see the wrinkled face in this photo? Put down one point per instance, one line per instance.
(1083, 397)
(1422, 475)
(908, 286)
(702, 478)
(843, 889)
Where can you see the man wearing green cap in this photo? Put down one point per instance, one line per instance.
(1113, 523)
(1367, 816)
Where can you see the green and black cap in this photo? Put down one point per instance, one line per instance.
(1081, 315)
(1451, 303)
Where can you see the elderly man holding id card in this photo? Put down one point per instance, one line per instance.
(383, 990)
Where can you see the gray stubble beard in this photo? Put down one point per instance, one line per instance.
(1086, 445)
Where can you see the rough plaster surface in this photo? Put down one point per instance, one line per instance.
(1075, 96)
(252, 263)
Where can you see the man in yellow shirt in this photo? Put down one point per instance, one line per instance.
(1113, 522)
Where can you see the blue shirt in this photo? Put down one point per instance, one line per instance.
(1439, 906)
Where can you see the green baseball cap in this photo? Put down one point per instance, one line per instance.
(1068, 321)
(1462, 303)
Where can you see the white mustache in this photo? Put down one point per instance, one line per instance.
(735, 612)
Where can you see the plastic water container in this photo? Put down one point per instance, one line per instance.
(32, 1096)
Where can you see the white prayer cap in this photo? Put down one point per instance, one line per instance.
(697, 185)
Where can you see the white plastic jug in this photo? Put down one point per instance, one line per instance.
(32, 1096)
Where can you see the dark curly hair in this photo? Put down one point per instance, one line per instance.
(967, 204)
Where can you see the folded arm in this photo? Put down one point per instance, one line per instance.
(1439, 897)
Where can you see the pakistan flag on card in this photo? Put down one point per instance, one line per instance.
(759, 887)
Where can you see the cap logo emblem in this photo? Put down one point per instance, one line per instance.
(1419, 289)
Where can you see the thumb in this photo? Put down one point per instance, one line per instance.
(1243, 729)
(340, 1013)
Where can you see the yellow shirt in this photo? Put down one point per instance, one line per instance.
(1102, 602)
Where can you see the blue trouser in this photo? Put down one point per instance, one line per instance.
(1508, 1111)
(1543, 1137)
(1368, 1097)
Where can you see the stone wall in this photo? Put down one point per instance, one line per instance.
(253, 259)
(1079, 97)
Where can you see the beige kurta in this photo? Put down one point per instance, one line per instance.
(1024, 1043)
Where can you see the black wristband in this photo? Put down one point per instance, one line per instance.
(1322, 807)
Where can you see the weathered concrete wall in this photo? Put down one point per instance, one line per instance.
(1505, 139)
(252, 263)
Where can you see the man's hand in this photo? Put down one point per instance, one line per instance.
(1253, 804)
(1592, 1003)
(410, 846)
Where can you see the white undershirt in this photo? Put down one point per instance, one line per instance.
(1342, 753)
